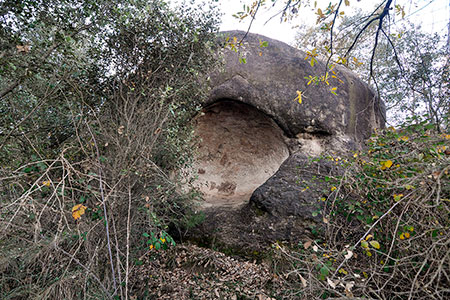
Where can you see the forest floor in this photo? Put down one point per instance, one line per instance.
(191, 272)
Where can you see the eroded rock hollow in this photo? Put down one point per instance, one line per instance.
(263, 155)
(239, 149)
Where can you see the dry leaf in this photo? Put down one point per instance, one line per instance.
(24, 48)
(303, 280)
(120, 129)
(331, 283)
(348, 289)
(307, 244)
(315, 248)
(349, 254)
(436, 174)
(78, 210)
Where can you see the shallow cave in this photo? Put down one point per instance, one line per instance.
(239, 149)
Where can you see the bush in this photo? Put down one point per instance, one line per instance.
(386, 224)
(78, 211)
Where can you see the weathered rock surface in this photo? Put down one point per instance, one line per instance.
(240, 149)
(272, 75)
(297, 188)
(251, 123)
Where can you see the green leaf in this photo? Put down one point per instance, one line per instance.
(375, 244)
(145, 234)
(138, 262)
(324, 271)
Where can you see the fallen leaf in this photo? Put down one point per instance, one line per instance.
(24, 48)
(348, 289)
(307, 244)
(331, 283)
(436, 174)
(349, 254)
(315, 248)
(303, 280)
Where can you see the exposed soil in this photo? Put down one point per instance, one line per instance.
(240, 148)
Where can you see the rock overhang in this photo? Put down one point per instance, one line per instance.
(268, 85)
(270, 79)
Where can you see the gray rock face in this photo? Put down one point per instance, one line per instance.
(272, 75)
(298, 188)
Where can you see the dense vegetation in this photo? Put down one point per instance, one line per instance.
(95, 99)
(385, 232)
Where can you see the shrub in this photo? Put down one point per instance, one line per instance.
(77, 214)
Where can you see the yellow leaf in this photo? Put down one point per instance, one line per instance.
(375, 244)
(402, 236)
(369, 236)
(46, 183)
(333, 188)
(299, 96)
(397, 197)
(403, 138)
(407, 235)
(386, 164)
(78, 210)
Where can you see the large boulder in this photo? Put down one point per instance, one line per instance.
(271, 77)
(258, 163)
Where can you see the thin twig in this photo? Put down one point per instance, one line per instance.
(105, 214)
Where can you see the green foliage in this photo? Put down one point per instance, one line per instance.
(388, 220)
(95, 101)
